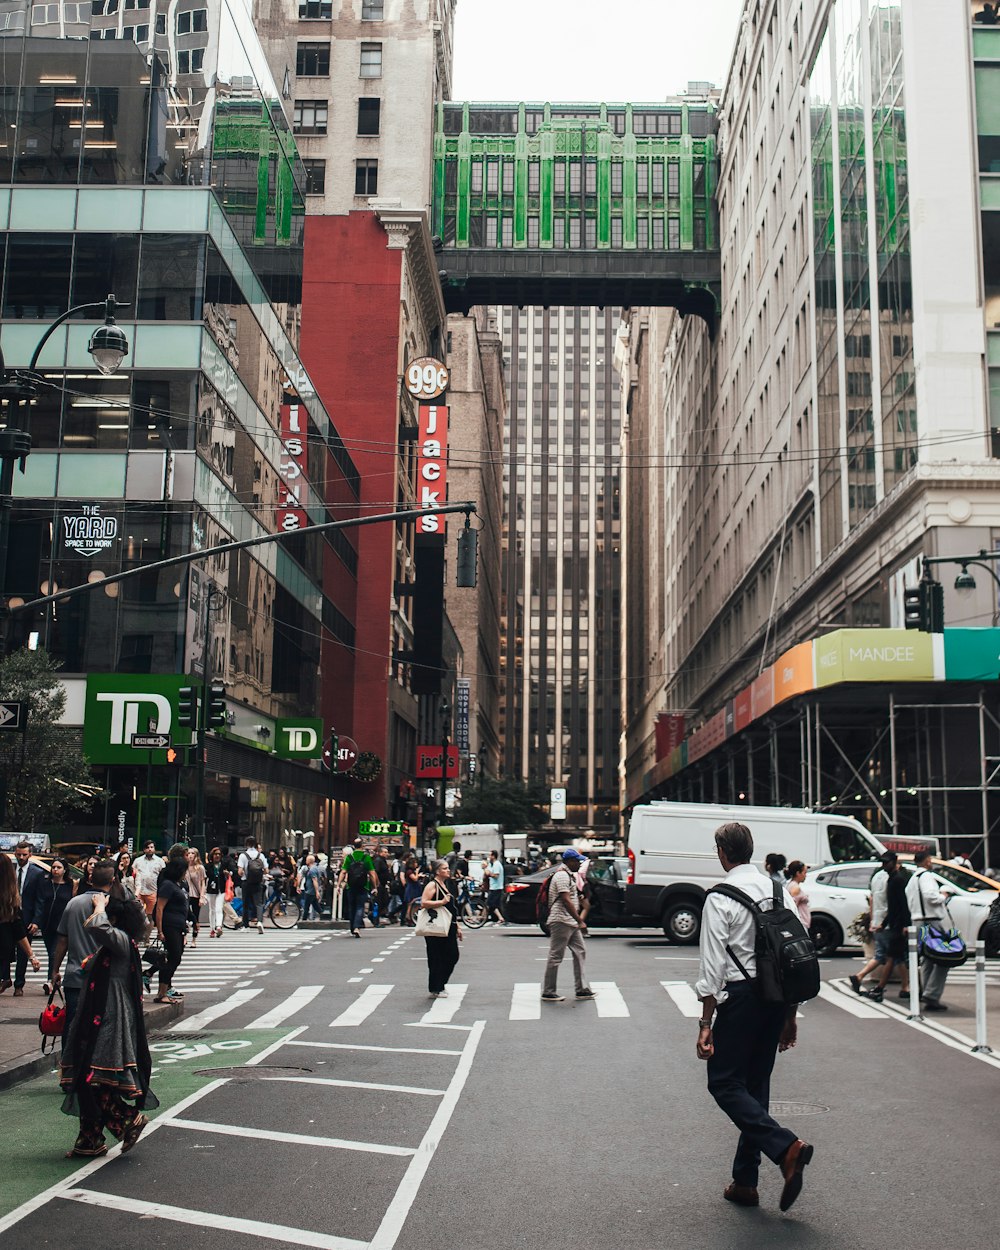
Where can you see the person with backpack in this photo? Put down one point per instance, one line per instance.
(252, 866)
(757, 964)
(357, 872)
(566, 929)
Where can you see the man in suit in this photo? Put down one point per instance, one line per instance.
(29, 878)
(741, 1042)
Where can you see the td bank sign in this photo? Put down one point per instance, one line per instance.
(122, 704)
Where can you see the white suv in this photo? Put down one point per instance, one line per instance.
(839, 892)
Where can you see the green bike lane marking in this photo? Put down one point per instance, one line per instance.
(36, 1134)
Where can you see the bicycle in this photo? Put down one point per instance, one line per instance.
(473, 910)
(283, 913)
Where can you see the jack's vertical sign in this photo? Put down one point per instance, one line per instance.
(293, 456)
(432, 464)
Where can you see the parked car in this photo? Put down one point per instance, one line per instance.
(839, 892)
(607, 895)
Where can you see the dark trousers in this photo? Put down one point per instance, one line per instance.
(357, 901)
(20, 967)
(253, 906)
(442, 956)
(746, 1037)
(173, 944)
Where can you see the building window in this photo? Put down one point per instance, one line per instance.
(161, 23)
(658, 232)
(372, 10)
(508, 177)
(574, 232)
(616, 232)
(641, 178)
(315, 10)
(366, 177)
(312, 60)
(507, 232)
(371, 60)
(534, 177)
(476, 183)
(492, 177)
(590, 187)
(616, 177)
(310, 117)
(657, 177)
(532, 232)
(574, 177)
(590, 232)
(188, 62)
(315, 177)
(559, 178)
(673, 233)
(674, 178)
(642, 232)
(699, 234)
(491, 232)
(369, 116)
(193, 20)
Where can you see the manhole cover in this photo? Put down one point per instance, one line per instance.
(180, 1037)
(21, 1020)
(797, 1108)
(259, 1073)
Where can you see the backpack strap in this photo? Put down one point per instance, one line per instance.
(737, 895)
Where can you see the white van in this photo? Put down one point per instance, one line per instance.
(673, 861)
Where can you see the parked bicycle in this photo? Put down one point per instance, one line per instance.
(282, 912)
(472, 907)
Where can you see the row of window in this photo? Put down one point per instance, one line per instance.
(365, 177)
(310, 117)
(322, 10)
(185, 23)
(580, 177)
(494, 121)
(573, 232)
(312, 60)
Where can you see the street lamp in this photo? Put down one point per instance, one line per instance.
(445, 712)
(965, 583)
(108, 347)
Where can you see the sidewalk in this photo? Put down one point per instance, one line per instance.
(21, 1055)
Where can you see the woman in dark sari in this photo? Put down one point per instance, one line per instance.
(106, 1063)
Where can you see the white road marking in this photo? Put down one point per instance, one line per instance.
(379, 959)
(354, 980)
(409, 1186)
(442, 1011)
(193, 1023)
(329, 1080)
(391, 1050)
(362, 1007)
(526, 1002)
(295, 1139)
(684, 997)
(275, 1233)
(293, 1003)
(364, 970)
(609, 1000)
(853, 1006)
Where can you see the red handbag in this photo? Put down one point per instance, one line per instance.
(52, 1021)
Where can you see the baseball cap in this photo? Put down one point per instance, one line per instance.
(572, 856)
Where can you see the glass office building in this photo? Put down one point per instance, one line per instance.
(145, 152)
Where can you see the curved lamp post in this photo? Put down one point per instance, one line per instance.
(965, 582)
(108, 347)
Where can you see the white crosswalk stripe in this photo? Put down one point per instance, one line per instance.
(443, 1010)
(362, 1007)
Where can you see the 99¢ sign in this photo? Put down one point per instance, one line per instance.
(426, 378)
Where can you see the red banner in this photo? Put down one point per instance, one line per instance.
(292, 468)
(429, 762)
(432, 464)
(669, 730)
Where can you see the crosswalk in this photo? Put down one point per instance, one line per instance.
(377, 1003)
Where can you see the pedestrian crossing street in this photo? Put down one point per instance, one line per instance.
(464, 1004)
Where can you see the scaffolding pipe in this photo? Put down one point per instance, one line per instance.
(892, 757)
(984, 800)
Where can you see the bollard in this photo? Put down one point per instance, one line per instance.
(981, 1048)
(911, 937)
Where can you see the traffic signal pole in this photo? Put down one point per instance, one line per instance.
(205, 719)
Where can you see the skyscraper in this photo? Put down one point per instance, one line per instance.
(560, 556)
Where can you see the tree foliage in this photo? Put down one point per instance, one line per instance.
(39, 771)
(516, 805)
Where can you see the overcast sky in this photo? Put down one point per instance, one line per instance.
(597, 50)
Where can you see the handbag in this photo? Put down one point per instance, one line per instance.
(433, 922)
(155, 956)
(941, 946)
(52, 1021)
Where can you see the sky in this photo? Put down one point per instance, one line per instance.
(621, 50)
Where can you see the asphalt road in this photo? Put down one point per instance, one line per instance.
(323, 1100)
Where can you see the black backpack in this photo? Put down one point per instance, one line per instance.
(255, 870)
(357, 873)
(787, 964)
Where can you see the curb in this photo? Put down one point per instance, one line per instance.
(25, 1067)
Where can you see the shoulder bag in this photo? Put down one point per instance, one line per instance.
(939, 945)
(433, 922)
(52, 1021)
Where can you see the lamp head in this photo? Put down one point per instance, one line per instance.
(965, 580)
(108, 345)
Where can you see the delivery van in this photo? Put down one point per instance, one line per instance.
(673, 861)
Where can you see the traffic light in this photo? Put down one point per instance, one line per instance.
(934, 607)
(187, 707)
(923, 606)
(468, 543)
(175, 757)
(216, 718)
(913, 612)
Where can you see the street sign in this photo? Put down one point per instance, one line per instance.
(151, 742)
(557, 803)
(347, 754)
(429, 762)
(426, 378)
(13, 716)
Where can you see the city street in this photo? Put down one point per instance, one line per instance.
(314, 1095)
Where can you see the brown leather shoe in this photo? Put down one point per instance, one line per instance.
(742, 1195)
(798, 1154)
(18, 991)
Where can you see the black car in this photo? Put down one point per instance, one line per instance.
(607, 897)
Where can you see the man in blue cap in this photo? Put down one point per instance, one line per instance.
(566, 929)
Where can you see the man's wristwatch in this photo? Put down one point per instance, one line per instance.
(704, 1024)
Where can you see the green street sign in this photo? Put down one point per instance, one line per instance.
(122, 704)
(298, 738)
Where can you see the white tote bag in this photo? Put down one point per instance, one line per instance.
(433, 921)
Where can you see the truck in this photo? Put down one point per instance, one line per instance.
(673, 860)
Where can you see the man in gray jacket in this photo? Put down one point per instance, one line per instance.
(928, 904)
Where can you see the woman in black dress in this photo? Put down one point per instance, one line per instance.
(106, 1063)
(12, 929)
(171, 923)
(442, 952)
(55, 892)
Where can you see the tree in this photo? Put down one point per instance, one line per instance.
(516, 805)
(39, 771)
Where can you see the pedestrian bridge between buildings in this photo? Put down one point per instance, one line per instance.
(578, 204)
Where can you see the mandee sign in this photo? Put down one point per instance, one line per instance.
(119, 705)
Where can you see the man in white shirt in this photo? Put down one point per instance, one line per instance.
(146, 873)
(740, 1048)
(253, 867)
(928, 904)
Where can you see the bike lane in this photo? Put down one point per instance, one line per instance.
(36, 1134)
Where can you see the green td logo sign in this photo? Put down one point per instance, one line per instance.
(299, 738)
(122, 704)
